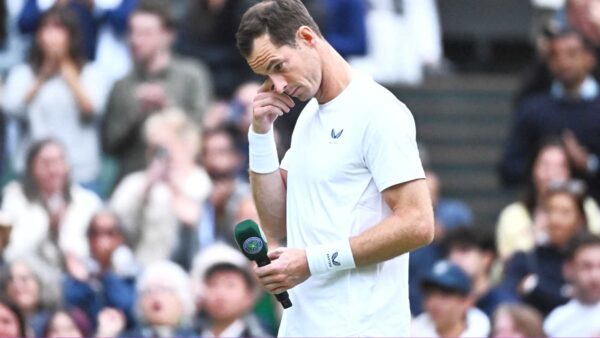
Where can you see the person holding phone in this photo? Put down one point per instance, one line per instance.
(169, 193)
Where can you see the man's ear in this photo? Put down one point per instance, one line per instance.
(305, 34)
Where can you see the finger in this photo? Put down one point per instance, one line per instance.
(265, 271)
(272, 279)
(276, 287)
(275, 254)
(267, 86)
(272, 101)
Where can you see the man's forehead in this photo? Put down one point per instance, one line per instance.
(263, 52)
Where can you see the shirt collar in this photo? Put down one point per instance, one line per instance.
(234, 330)
(587, 91)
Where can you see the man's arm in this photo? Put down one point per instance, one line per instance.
(409, 227)
(269, 192)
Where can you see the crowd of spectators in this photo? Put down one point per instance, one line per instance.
(124, 163)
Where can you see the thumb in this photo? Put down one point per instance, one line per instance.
(275, 253)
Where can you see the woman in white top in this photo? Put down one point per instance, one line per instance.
(49, 215)
(521, 224)
(57, 95)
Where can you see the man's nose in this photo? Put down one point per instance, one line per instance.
(279, 83)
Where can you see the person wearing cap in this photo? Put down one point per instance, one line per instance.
(473, 249)
(227, 292)
(449, 310)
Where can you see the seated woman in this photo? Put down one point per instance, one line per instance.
(169, 194)
(536, 276)
(522, 223)
(50, 214)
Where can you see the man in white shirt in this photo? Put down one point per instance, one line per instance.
(349, 196)
(449, 310)
(581, 316)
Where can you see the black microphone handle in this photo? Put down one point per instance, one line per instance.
(283, 298)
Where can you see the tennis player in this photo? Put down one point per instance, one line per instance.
(349, 196)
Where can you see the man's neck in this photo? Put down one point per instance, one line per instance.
(336, 76)
(158, 62)
(453, 330)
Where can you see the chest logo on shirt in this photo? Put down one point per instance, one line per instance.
(335, 135)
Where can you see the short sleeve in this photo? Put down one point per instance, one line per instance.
(390, 147)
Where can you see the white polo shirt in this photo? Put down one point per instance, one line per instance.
(574, 319)
(343, 155)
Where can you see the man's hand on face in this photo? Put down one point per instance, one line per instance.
(268, 105)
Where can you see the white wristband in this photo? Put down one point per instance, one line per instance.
(334, 256)
(263, 152)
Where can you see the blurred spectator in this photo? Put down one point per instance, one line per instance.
(58, 95)
(579, 317)
(223, 161)
(164, 300)
(473, 250)
(448, 307)
(71, 323)
(345, 26)
(208, 33)
(33, 10)
(12, 323)
(229, 293)
(50, 214)
(536, 276)
(96, 285)
(153, 204)
(13, 44)
(568, 110)
(158, 80)
(517, 320)
(33, 288)
(448, 214)
(103, 24)
(393, 25)
(521, 223)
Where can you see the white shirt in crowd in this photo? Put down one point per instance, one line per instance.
(344, 153)
(54, 113)
(574, 319)
(31, 223)
(478, 325)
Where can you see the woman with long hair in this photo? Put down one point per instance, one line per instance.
(57, 94)
(50, 214)
(523, 223)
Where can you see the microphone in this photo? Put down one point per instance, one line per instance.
(249, 238)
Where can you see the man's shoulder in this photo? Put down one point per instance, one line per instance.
(560, 316)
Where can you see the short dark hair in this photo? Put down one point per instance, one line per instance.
(579, 241)
(280, 19)
(470, 237)
(556, 30)
(159, 8)
(229, 267)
